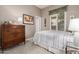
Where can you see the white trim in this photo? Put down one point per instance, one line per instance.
(38, 23)
(65, 13)
(55, 15)
(29, 39)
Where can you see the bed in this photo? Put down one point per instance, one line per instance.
(54, 41)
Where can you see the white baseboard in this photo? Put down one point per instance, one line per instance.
(29, 38)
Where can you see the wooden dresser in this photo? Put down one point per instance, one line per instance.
(11, 35)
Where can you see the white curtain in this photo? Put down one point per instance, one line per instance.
(38, 23)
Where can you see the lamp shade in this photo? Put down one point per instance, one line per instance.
(74, 25)
(20, 19)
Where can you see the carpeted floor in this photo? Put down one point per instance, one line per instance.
(28, 48)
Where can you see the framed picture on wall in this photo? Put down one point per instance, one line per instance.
(27, 19)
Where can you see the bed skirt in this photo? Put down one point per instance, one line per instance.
(53, 50)
(54, 41)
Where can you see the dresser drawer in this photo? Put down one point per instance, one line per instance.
(16, 41)
(17, 26)
(6, 36)
(20, 30)
(17, 35)
(8, 44)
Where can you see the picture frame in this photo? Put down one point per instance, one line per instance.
(27, 19)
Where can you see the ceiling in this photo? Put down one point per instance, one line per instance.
(42, 6)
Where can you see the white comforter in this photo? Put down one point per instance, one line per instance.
(53, 39)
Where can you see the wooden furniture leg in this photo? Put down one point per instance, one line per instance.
(66, 50)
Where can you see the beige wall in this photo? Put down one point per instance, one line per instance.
(13, 12)
(72, 10)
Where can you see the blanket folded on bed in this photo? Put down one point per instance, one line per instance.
(53, 39)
